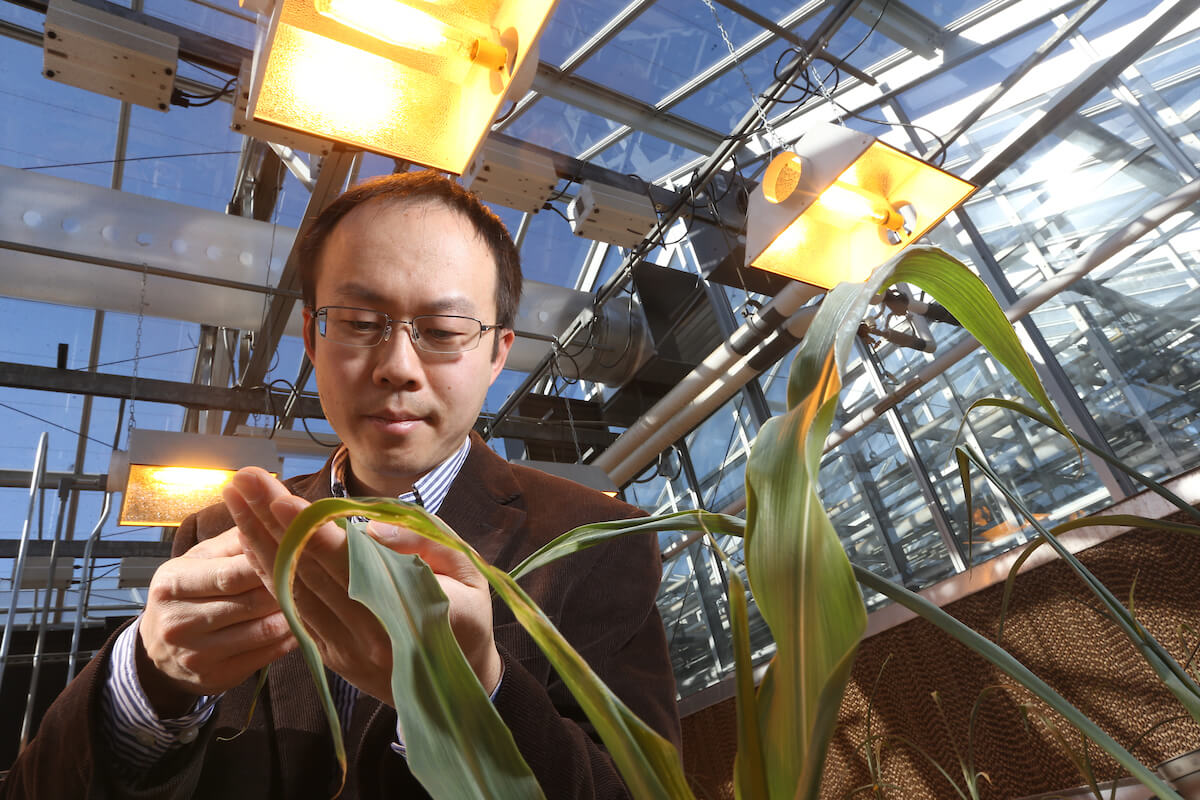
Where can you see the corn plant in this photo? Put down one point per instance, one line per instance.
(805, 586)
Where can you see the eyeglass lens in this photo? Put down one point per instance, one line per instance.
(435, 333)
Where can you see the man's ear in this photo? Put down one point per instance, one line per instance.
(504, 343)
(309, 332)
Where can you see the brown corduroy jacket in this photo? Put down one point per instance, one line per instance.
(602, 599)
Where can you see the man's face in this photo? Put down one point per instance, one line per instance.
(401, 411)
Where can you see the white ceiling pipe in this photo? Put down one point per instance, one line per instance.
(741, 341)
(698, 396)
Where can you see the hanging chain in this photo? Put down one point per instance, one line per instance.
(574, 435)
(776, 143)
(841, 112)
(137, 352)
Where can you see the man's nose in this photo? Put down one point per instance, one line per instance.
(399, 360)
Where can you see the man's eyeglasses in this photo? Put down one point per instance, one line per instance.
(433, 333)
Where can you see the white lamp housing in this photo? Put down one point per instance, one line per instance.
(514, 177)
(135, 572)
(36, 574)
(104, 53)
(608, 214)
(165, 475)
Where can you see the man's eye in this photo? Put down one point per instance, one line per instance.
(359, 325)
(441, 335)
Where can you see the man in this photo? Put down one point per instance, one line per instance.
(411, 288)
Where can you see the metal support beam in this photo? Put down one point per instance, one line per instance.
(75, 548)
(1010, 80)
(902, 25)
(908, 448)
(590, 96)
(599, 39)
(1041, 122)
(243, 401)
(332, 178)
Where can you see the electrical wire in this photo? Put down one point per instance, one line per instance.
(291, 387)
(186, 99)
(55, 424)
(202, 68)
(556, 210)
(914, 126)
(863, 40)
(662, 242)
(127, 360)
(498, 120)
(134, 158)
(561, 193)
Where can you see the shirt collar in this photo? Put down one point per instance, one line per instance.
(428, 491)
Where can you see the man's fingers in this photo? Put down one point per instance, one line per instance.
(219, 546)
(246, 651)
(325, 549)
(184, 579)
(441, 559)
(251, 605)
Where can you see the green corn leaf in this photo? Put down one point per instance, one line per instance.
(457, 744)
(800, 574)
(804, 589)
(1169, 671)
(1019, 672)
(750, 776)
(1149, 483)
(649, 763)
(287, 559)
(966, 297)
(586, 536)
(1119, 520)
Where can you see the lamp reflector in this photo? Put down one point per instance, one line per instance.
(842, 205)
(170, 475)
(411, 79)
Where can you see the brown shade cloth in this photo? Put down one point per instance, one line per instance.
(1056, 628)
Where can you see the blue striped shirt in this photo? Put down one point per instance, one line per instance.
(139, 738)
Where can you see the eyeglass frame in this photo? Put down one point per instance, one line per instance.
(320, 315)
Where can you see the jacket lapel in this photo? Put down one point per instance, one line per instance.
(484, 505)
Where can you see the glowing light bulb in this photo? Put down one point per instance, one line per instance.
(416, 25)
(851, 201)
(190, 479)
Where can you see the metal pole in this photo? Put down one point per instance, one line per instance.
(39, 472)
(86, 591)
(64, 494)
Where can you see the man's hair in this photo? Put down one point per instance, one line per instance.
(415, 188)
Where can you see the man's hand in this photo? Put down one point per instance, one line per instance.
(352, 641)
(208, 625)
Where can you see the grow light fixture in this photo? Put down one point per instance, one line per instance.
(843, 204)
(165, 476)
(420, 80)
